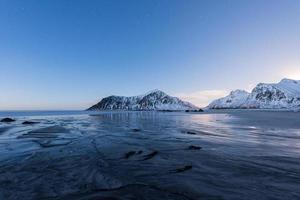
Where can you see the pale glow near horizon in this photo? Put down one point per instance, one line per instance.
(292, 72)
(202, 98)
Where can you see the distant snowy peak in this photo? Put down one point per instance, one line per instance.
(234, 100)
(153, 100)
(282, 95)
(289, 86)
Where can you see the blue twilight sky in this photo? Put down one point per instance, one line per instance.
(57, 54)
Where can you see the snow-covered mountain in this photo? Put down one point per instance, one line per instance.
(282, 95)
(235, 99)
(154, 100)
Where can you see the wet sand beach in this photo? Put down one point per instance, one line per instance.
(151, 155)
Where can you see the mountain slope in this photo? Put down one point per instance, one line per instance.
(154, 100)
(234, 100)
(282, 95)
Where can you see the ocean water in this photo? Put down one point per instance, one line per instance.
(150, 155)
